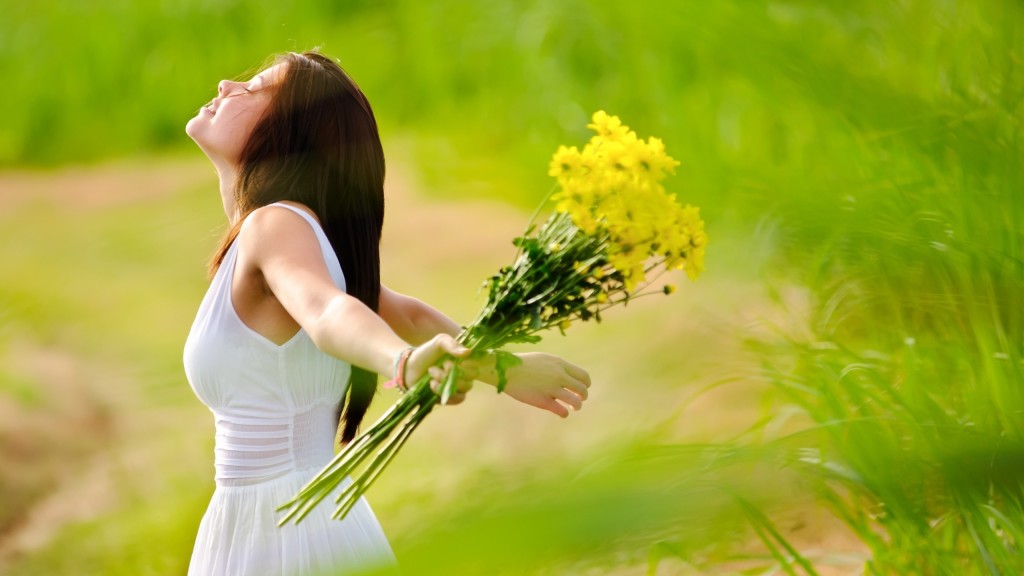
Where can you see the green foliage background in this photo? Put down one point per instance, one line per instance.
(867, 154)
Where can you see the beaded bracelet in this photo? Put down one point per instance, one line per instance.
(400, 361)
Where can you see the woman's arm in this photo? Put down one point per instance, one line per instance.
(281, 247)
(414, 320)
(542, 380)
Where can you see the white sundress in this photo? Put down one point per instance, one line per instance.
(276, 413)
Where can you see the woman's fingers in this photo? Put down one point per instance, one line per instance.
(556, 408)
(460, 390)
(578, 389)
(440, 347)
(451, 346)
(570, 398)
(577, 373)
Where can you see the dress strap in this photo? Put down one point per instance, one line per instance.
(312, 221)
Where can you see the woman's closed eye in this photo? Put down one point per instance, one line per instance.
(227, 88)
(244, 90)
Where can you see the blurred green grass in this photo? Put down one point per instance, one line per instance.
(860, 161)
(746, 92)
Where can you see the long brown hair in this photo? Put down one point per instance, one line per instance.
(317, 144)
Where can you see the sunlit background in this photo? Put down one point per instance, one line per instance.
(840, 393)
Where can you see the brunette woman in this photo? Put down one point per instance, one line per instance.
(288, 342)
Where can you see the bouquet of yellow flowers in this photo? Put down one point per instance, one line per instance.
(613, 224)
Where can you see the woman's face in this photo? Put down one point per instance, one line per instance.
(222, 127)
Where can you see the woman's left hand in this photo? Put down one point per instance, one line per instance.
(542, 380)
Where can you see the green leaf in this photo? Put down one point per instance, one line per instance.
(502, 362)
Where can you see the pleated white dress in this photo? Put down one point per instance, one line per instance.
(275, 409)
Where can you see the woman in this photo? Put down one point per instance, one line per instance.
(296, 322)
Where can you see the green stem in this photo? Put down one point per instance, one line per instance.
(351, 457)
(358, 488)
(533, 217)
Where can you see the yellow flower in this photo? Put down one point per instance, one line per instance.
(566, 162)
(695, 264)
(631, 280)
(637, 273)
(612, 187)
(652, 162)
(662, 160)
(608, 126)
(564, 324)
(585, 221)
(620, 260)
(618, 157)
(601, 297)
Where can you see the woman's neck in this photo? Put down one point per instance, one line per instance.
(227, 175)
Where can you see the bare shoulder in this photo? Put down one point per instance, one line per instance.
(271, 222)
(276, 229)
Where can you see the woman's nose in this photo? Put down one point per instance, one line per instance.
(222, 87)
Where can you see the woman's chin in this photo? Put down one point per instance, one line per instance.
(192, 126)
(196, 129)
